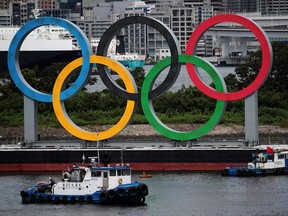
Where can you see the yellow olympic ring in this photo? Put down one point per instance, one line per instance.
(60, 110)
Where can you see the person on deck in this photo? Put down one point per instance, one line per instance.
(51, 182)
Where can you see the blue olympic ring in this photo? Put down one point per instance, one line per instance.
(13, 58)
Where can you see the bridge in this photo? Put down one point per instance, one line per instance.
(236, 41)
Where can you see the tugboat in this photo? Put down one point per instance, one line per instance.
(269, 162)
(90, 184)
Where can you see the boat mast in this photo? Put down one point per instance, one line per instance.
(122, 147)
(98, 153)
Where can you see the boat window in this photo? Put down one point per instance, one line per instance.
(95, 173)
(119, 173)
(270, 157)
(82, 175)
(105, 174)
(75, 176)
(281, 156)
(112, 172)
(128, 171)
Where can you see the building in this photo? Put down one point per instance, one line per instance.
(21, 13)
(217, 5)
(92, 11)
(47, 4)
(157, 45)
(184, 19)
(240, 6)
(4, 5)
(273, 6)
(94, 28)
(5, 18)
(135, 35)
(161, 6)
(75, 6)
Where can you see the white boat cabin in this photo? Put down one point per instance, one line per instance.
(88, 180)
(266, 161)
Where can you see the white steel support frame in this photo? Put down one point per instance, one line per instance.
(251, 120)
(30, 120)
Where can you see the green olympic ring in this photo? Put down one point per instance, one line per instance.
(148, 108)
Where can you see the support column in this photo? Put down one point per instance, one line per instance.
(30, 120)
(251, 120)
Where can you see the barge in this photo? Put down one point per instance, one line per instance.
(147, 158)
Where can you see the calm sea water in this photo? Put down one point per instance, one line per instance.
(183, 78)
(170, 193)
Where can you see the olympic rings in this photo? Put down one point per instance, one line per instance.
(147, 93)
(13, 58)
(267, 56)
(171, 41)
(149, 110)
(60, 110)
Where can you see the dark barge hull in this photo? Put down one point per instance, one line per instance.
(29, 59)
(15, 160)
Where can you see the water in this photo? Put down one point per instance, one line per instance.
(183, 78)
(170, 193)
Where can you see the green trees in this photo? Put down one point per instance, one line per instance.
(273, 95)
(187, 105)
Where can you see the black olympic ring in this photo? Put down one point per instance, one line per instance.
(172, 43)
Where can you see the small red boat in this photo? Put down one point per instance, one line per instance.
(144, 175)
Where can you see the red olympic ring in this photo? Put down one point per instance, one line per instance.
(267, 57)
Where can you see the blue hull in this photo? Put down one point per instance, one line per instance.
(133, 193)
(245, 172)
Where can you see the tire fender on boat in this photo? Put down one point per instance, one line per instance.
(64, 199)
(121, 192)
(32, 198)
(73, 200)
(81, 199)
(143, 189)
(111, 193)
(103, 196)
(132, 191)
(89, 199)
(57, 199)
